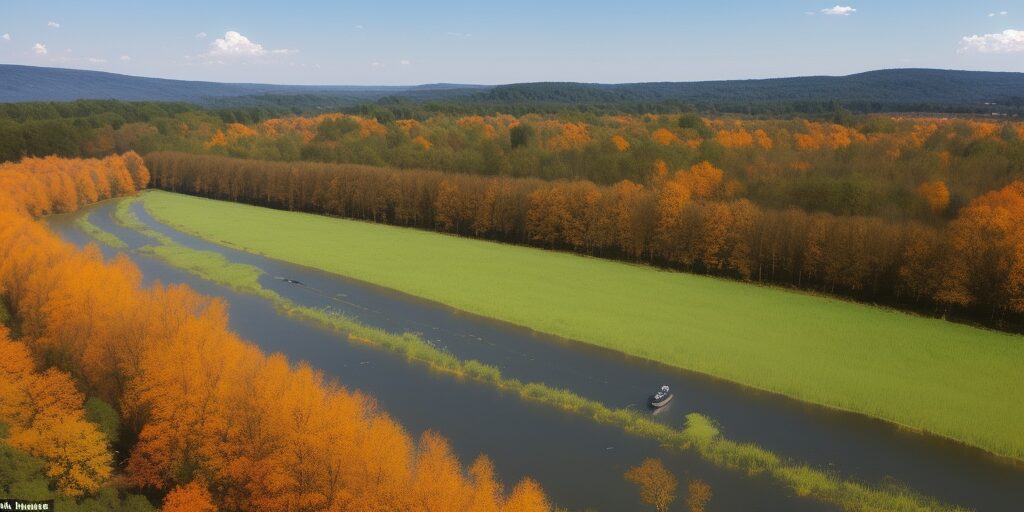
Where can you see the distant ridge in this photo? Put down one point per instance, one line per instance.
(899, 89)
(30, 83)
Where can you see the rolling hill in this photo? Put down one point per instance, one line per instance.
(894, 89)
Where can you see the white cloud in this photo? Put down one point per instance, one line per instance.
(457, 34)
(126, 58)
(1007, 41)
(39, 49)
(53, 24)
(284, 51)
(1000, 13)
(201, 35)
(6, 37)
(1003, 13)
(404, 62)
(94, 60)
(235, 45)
(376, 64)
(358, 27)
(839, 10)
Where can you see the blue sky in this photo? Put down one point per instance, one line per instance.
(488, 42)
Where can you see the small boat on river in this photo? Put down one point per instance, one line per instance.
(661, 398)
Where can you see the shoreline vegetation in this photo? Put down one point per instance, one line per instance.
(828, 347)
(699, 433)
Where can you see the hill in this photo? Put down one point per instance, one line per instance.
(29, 83)
(924, 90)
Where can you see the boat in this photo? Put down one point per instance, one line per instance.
(661, 398)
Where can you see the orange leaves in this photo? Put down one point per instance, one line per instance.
(422, 142)
(620, 143)
(988, 237)
(206, 407)
(823, 136)
(657, 484)
(740, 138)
(191, 497)
(935, 195)
(46, 419)
(527, 496)
(572, 136)
(664, 137)
(40, 186)
(218, 140)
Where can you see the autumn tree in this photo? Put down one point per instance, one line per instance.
(191, 497)
(698, 495)
(657, 484)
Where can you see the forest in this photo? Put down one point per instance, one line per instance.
(115, 394)
(876, 208)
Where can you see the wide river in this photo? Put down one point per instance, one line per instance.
(578, 462)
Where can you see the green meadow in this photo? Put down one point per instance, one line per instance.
(925, 374)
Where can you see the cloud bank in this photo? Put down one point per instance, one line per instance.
(1007, 41)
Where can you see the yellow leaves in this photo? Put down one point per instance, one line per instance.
(620, 143)
(664, 137)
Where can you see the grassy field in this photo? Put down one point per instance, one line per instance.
(949, 379)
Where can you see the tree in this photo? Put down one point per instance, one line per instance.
(657, 484)
(191, 497)
(935, 195)
(698, 495)
(527, 496)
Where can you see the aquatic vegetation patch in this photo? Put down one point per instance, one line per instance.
(105, 237)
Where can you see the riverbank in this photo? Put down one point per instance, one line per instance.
(949, 379)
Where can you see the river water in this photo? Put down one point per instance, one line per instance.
(579, 462)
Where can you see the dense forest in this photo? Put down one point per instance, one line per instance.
(688, 218)
(114, 393)
(846, 165)
(878, 208)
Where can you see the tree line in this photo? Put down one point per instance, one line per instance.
(840, 164)
(207, 420)
(686, 219)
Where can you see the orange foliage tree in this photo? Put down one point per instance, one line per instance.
(204, 405)
(657, 484)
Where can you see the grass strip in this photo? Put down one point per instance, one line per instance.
(105, 237)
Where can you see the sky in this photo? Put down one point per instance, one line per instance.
(385, 42)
